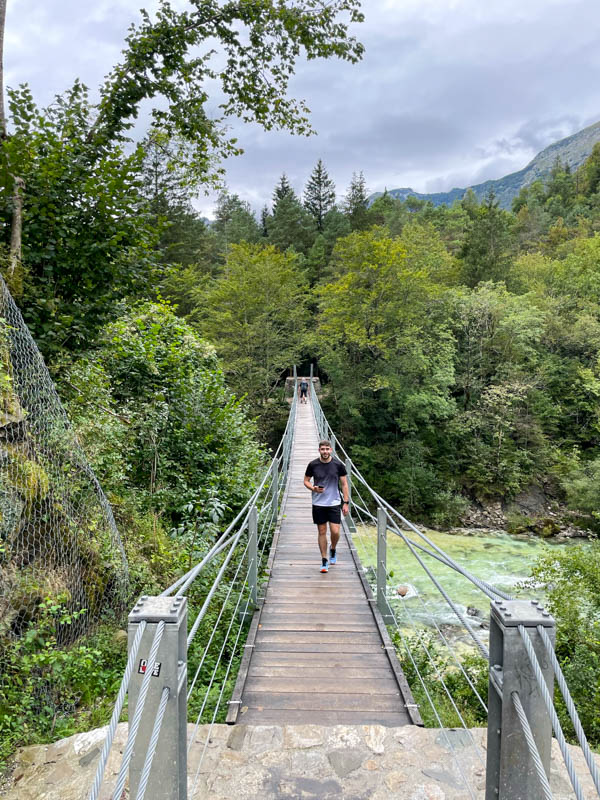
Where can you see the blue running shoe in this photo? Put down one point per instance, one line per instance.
(324, 566)
(332, 557)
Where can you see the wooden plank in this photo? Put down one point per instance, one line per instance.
(317, 637)
(319, 647)
(316, 610)
(295, 670)
(317, 627)
(265, 716)
(271, 685)
(347, 660)
(328, 701)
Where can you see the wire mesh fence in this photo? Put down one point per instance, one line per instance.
(59, 544)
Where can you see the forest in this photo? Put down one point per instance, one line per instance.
(459, 347)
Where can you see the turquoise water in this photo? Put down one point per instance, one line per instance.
(497, 558)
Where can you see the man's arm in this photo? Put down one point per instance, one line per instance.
(312, 487)
(345, 492)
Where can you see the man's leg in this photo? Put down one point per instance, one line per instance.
(322, 529)
(334, 530)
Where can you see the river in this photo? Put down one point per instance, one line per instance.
(498, 558)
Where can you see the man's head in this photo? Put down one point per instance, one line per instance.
(325, 450)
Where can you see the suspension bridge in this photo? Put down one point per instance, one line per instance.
(254, 635)
(306, 647)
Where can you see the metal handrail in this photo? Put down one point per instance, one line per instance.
(434, 551)
(263, 497)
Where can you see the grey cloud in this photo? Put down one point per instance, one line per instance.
(448, 94)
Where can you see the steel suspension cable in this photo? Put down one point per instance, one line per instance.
(482, 648)
(572, 711)
(114, 720)
(450, 649)
(215, 627)
(152, 744)
(539, 677)
(434, 709)
(437, 671)
(532, 746)
(139, 708)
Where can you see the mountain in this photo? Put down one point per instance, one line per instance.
(572, 151)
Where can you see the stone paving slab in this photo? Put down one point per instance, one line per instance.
(308, 762)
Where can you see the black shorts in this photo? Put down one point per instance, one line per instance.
(303, 392)
(324, 514)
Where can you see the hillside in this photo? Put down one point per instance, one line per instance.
(572, 151)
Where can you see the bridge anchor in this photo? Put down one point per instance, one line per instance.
(511, 772)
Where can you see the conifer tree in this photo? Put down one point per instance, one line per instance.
(265, 218)
(319, 195)
(355, 203)
(234, 221)
(291, 225)
(282, 189)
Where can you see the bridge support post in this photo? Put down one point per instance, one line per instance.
(510, 770)
(349, 520)
(275, 490)
(382, 603)
(253, 558)
(167, 779)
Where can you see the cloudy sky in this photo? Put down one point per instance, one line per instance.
(449, 93)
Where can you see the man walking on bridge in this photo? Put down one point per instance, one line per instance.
(328, 475)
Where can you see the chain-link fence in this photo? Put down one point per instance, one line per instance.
(58, 538)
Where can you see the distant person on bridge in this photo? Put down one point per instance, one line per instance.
(303, 390)
(328, 475)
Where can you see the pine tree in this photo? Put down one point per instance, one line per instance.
(355, 203)
(291, 225)
(282, 189)
(265, 219)
(234, 221)
(319, 195)
(486, 249)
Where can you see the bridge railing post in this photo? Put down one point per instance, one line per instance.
(349, 520)
(167, 776)
(275, 489)
(253, 558)
(511, 769)
(382, 602)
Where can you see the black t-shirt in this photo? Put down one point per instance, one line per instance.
(303, 386)
(326, 474)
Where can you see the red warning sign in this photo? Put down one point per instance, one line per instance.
(144, 663)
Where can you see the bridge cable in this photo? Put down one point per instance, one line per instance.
(532, 746)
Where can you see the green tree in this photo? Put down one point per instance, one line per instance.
(234, 221)
(292, 225)
(173, 57)
(319, 195)
(486, 251)
(180, 431)
(255, 315)
(89, 235)
(281, 190)
(355, 203)
(165, 184)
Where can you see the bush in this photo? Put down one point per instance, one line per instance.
(569, 579)
(429, 661)
(48, 692)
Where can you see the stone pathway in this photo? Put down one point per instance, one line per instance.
(308, 762)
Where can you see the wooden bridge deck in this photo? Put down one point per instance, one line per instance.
(318, 651)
